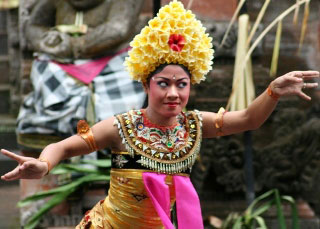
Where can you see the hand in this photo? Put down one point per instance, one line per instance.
(293, 83)
(56, 43)
(28, 168)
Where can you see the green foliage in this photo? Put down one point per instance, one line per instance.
(252, 217)
(60, 193)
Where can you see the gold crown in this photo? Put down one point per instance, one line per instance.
(173, 37)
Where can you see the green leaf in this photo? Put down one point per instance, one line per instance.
(261, 222)
(35, 219)
(294, 211)
(265, 207)
(74, 168)
(64, 192)
(238, 223)
(104, 163)
(280, 215)
(259, 198)
(64, 188)
(58, 170)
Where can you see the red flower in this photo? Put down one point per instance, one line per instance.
(87, 218)
(176, 42)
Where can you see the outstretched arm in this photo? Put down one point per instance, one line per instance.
(260, 109)
(105, 134)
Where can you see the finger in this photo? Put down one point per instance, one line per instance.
(11, 178)
(309, 85)
(13, 156)
(310, 74)
(14, 174)
(304, 96)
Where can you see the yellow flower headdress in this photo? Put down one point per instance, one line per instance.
(173, 37)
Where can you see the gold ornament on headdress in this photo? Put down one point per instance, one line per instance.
(173, 37)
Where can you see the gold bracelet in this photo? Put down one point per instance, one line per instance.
(85, 132)
(42, 159)
(272, 94)
(219, 121)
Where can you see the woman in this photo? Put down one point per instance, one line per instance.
(154, 148)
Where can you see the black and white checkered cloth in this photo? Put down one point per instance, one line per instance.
(59, 101)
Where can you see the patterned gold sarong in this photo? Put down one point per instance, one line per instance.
(127, 204)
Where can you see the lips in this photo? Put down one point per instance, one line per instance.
(172, 104)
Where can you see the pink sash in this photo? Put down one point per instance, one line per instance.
(187, 200)
(88, 71)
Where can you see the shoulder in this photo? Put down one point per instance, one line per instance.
(194, 115)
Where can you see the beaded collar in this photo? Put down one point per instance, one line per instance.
(169, 150)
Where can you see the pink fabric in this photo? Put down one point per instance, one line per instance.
(188, 204)
(187, 201)
(88, 71)
(85, 72)
(159, 193)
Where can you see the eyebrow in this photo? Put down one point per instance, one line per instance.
(165, 78)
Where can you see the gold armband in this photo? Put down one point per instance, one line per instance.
(272, 94)
(42, 159)
(219, 121)
(85, 132)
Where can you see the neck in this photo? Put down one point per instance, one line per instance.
(159, 119)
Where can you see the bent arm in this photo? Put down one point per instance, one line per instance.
(260, 109)
(42, 19)
(117, 28)
(238, 121)
(104, 132)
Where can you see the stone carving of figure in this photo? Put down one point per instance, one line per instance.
(109, 24)
(87, 40)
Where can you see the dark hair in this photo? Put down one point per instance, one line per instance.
(162, 66)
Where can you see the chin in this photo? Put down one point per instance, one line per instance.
(172, 112)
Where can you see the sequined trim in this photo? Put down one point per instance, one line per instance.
(161, 160)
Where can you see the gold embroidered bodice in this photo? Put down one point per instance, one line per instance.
(166, 150)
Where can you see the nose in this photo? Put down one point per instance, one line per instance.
(172, 92)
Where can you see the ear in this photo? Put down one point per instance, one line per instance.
(145, 87)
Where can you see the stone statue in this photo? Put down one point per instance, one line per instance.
(107, 25)
(88, 41)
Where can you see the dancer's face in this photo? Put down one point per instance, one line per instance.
(169, 91)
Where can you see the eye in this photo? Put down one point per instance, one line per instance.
(162, 84)
(182, 84)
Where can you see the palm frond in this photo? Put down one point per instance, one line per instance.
(243, 91)
(258, 20)
(233, 19)
(269, 27)
(296, 14)
(304, 23)
(276, 49)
